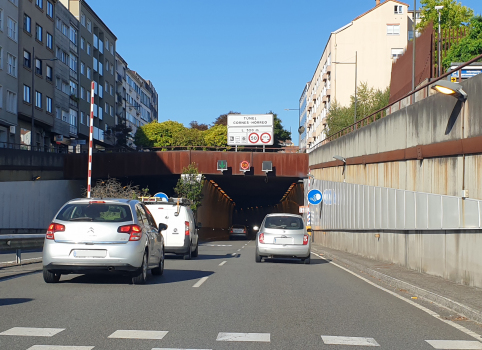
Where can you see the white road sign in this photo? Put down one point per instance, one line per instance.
(250, 129)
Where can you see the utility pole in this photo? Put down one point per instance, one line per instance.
(414, 27)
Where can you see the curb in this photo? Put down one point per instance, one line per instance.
(420, 292)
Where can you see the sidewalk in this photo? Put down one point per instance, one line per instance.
(465, 300)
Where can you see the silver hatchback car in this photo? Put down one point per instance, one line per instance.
(283, 236)
(103, 236)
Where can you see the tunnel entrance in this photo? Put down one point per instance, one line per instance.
(234, 199)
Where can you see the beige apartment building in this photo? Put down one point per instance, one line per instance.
(374, 39)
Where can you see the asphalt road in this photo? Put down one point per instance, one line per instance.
(7, 257)
(276, 304)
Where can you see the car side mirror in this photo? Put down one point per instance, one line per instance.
(162, 227)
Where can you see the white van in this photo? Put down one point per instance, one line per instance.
(181, 236)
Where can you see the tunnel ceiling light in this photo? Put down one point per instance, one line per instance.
(448, 88)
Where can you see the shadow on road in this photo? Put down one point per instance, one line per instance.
(200, 257)
(173, 276)
(295, 261)
(13, 301)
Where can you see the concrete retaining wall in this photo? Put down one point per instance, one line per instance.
(31, 205)
(453, 255)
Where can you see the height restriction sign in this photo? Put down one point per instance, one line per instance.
(250, 129)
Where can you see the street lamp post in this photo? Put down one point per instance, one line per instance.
(438, 8)
(356, 87)
(34, 96)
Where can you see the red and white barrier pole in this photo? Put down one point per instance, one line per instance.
(91, 136)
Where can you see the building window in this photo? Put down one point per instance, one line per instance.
(106, 108)
(50, 9)
(95, 64)
(12, 65)
(38, 99)
(49, 73)
(112, 48)
(111, 110)
(27, 23)
(65, 29)
(396, 53)
(38, 33)
(48, 106)
(82, 43)
(106, 68)
(73, 63)
(88, 73)
(82, 118)
(107, 44)
(38, 66)
(39, 3)
(89, 25)
(73, 35)
(88, 49)
(393, 29)
(27, 59)
(112, 90)
(1, 19)
(11, 102)
(101, 46)
(1, 96)
(101, 68)
(96, 41)
(62, 56)
(101, 114)
(398, 9)
(82, 68)
(50, 41)
(26, 94)
(82, 19)
(88, 96)
(12, 29)
(73, 88)
(106, 87)
(82, 92)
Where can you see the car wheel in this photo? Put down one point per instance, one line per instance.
(50, 277)
(188, 255)
(158, 271)
(195, 253)
(307, 261)
(258, 257)
(141, 278)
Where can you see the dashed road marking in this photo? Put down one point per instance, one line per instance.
(234, 254)
(60, 347)
(138, 334)
(216, 245)
(32, 332)
(253, 337)
(239, 250)
(243, 246)
(224, 262)
(359, 341)
(428, 311)
(455, 344)
(201, 281)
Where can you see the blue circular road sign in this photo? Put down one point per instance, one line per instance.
(162, 195)
(315, 197)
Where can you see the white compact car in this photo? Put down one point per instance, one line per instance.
(181, 236)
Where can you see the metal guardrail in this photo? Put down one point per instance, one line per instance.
(21, 241)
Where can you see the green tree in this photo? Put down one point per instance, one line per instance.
(280, 133)
(223, 118)
(195, 125)
(168, 133)
(190, 186)
(453, 15)
(112, 188)
(216, 136)
(369, 100)
(120, 133)
(469, 47)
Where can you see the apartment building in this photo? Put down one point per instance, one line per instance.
(9, 33)
(97, 60)
(373, 40)
(36, 26)
(303, 108)
(66, 75)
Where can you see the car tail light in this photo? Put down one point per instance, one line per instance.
(231, 231)
(261, 238)
(53, 227)
(305, 239)
(244, 231)
(135, 231)
(186, 227)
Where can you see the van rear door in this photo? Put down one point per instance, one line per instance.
(175, 234)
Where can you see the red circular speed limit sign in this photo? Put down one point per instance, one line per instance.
(253, 138)
(265, 137)
(245, 165)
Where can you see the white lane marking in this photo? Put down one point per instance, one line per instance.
(201, 281)
(60, 347)
(32, 332)
(234, 254)
(333, 340)
(243, 247)
(216, 245)
(137, 334)
(255, 337)
(455, 344)
(239, 250)
(430, 312)
(224, 262)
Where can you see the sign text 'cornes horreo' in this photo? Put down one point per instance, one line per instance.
(250, 129)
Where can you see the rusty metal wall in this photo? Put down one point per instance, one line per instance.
(172, 162)
(401, 81)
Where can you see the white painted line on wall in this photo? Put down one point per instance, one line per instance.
(60, 347)
(254, 337)
(224, 262)
(359, 341)
(32, 332)
(428, 311)
(201, 281)
(138, 334)
(455, 344)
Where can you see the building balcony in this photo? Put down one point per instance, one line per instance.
(325, 98)
(309, 122)
(328, 92)
(328, 68)
(325, 76)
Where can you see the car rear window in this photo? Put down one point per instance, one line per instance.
(95, 212)
(284, 222)
(238, 226)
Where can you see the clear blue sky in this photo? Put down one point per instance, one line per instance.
(208, 57)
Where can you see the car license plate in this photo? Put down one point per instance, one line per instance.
(238, 231)
(89, 253)
(283, 240)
